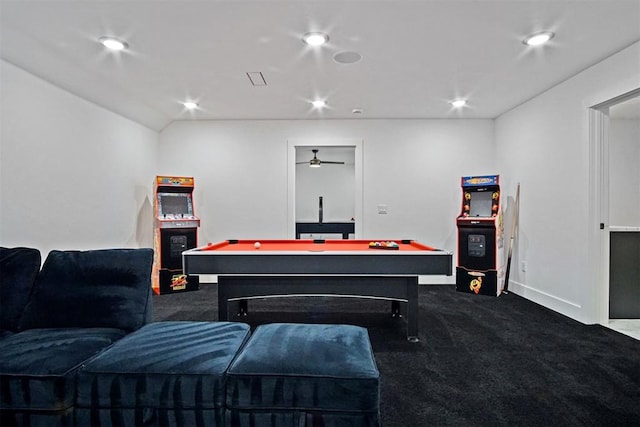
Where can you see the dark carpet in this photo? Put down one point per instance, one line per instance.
(481, 361)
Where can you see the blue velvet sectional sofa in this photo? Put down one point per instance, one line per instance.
(56, 317)
(78, 348)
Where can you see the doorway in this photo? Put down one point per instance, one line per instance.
(615, 136)
(624, 210)
(297, 150)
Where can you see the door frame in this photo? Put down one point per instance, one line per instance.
(598, 235)
(292, 144)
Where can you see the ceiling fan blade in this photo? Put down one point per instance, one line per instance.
(316, 162)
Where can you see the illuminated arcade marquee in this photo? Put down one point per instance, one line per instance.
(481, 266)
(175, 231)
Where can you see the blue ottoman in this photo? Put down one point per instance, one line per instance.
(164, 374)
(304, 375)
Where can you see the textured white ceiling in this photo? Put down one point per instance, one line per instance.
(416, 55)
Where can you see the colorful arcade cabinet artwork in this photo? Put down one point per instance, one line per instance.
(175, 231)
(481, 266)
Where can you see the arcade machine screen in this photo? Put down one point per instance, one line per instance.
(480, 204)
(174, 204)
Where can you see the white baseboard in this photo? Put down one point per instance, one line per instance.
(208, 278)
(437, 280)
(550, 301)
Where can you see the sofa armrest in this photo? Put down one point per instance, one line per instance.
(19, 268)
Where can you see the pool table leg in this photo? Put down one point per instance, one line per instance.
(412, 309)
(239, 306)
(395, 309)
(243, 307)
(223, 303)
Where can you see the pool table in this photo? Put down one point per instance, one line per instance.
(319, 267)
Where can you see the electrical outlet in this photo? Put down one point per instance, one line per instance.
(382, 209)
(523, 266)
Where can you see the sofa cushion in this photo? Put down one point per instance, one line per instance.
(109, 288)
(300, 370)
(163, 373)
(38, 367)
(19, 268)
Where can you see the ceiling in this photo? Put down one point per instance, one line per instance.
(416, 55)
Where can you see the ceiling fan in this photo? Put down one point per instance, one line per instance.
(316, 162)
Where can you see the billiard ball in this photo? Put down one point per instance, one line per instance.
(256, 245)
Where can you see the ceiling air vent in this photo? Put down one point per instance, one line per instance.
(256, 78)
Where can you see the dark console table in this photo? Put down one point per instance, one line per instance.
(344, 228)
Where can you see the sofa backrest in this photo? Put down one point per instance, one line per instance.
(92, 289)
(19, 268)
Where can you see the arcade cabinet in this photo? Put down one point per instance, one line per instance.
(175, 231)
(481, 266)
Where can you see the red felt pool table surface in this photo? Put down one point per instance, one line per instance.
(314, 246)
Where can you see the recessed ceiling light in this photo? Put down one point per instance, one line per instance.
(190, 105)
(459, 103)
(113, 43)
(315, 39)
(538, 38)
(319, 103)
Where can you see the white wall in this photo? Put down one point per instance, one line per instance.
(412, 166)
(624, 173)
(544, 145)
(72, 175)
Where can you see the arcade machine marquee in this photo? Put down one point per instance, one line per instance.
(481, 266)
(175, 231)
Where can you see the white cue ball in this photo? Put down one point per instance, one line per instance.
(256, 245)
